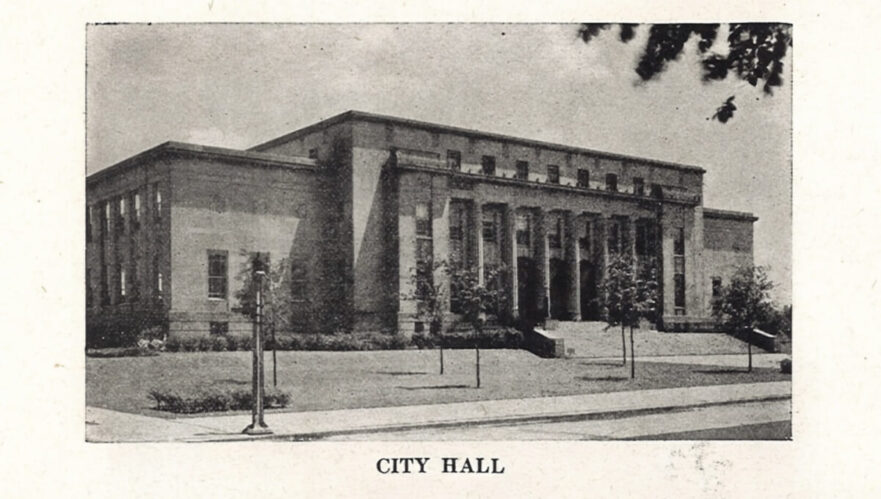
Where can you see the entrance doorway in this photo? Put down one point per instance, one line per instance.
(527, 289)
(559, 280)
(590, 307)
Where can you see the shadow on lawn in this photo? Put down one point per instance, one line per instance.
(230, 382)
(434, 387)
(731, 370)
(601, 363)
(401, 373)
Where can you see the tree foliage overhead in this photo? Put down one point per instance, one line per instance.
(754, 52)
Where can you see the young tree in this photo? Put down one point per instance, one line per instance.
(432, 299)
(630, 294)
(476, 300)
(744, 303)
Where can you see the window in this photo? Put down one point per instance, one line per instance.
(638, 186)
(120, 215)
(298, 281)
(105, 217)
(454, 160)
(488, 228)
(522, 170)
(136, 210)
(121, 272)
(88, 224)
(585, 241)
(157, 201)
(679, 242)
(646, 238)
(313, 153)
(555, 235)
(679, 292)
(613, 239)
(657, 192)
(88, 288)
(458, 241)
(524, 231)
(423, 220)
(218, 328)
(583, 178)
(488, 165)
(157, 276)
(217, 274)
(611, 182)
(553, 174)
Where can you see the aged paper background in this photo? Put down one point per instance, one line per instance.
(836, 201)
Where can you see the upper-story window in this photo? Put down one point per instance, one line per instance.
(583, 178)
(120, 214)
(105, 217)
(120, 270)
(88, 224)
(157, 201)
(553, 174)
(679, 242)
(523, 229)
(313, 153)
(217, 274)
(522, 170)
(488, 165)
(657, 192)
(611, 182)
(638, 186)
(586, 240)
(423, 219)
(136, 209)
(555, 234)
(454, 160)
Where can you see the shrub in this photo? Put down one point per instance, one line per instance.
(489, 338)
(214, 400)
(121, 352)
(218, 343)
(786, 366)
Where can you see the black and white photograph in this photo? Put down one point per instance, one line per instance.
(438, 231)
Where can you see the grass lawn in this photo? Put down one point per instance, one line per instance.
(344, 380)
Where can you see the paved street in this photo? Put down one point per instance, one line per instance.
(752, 420)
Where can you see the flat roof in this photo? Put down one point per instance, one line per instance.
(353, 115)
(206, 152)
(729, 214)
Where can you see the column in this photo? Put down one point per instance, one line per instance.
(509, 258)
(477, 238)
(541, 263)
(572, 254)
(630, 229)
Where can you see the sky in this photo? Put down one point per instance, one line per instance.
(237, 85)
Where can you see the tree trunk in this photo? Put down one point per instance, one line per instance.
(749, 349)
(632, 356)
(623, 347)
(442, 359)
(477, 359)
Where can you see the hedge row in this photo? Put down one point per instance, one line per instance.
(215, 400)
(488, 338)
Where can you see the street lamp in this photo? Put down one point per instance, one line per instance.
(257, 426)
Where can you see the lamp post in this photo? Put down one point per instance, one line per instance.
(257, 426)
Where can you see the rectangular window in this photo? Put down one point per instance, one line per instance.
(105, 217)
(488, 165)
(614, 237)
(524, 231)
(454, 160)
(157, 201)
(488, 228)
(136, 210)
(583, 178)
(298, 281)
(679, 242)
(657, 192)
(458, 240)
(555, 235)
(218, 328)
(121, 272)
(120, 215)
(553, 174)
(679, 292)
(638, 186)
(585, 241)
(88, 224)
(646, 238)
(611, 182)
(313, 153)
(217, 274)
(89, 288)
(522, 170)
(423, 219)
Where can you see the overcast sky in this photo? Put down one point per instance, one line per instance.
(239, 85)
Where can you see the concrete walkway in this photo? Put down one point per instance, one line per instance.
(764, 360)
(105, 425)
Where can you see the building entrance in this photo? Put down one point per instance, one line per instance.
(590, 308)
(559, 280)
(527, 288)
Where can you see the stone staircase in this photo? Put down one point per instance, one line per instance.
(593, 339)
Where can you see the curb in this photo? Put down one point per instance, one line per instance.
(583, 415)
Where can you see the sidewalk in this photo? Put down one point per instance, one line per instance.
(760, 360)
(111, 426)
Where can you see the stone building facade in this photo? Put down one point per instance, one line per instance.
(353, 203)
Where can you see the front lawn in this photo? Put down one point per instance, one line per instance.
(344, 380)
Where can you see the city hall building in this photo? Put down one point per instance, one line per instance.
(351, 205)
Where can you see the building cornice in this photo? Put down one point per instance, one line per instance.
(181, 149)
(729, 215)
(476, 134)
(532, 184)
